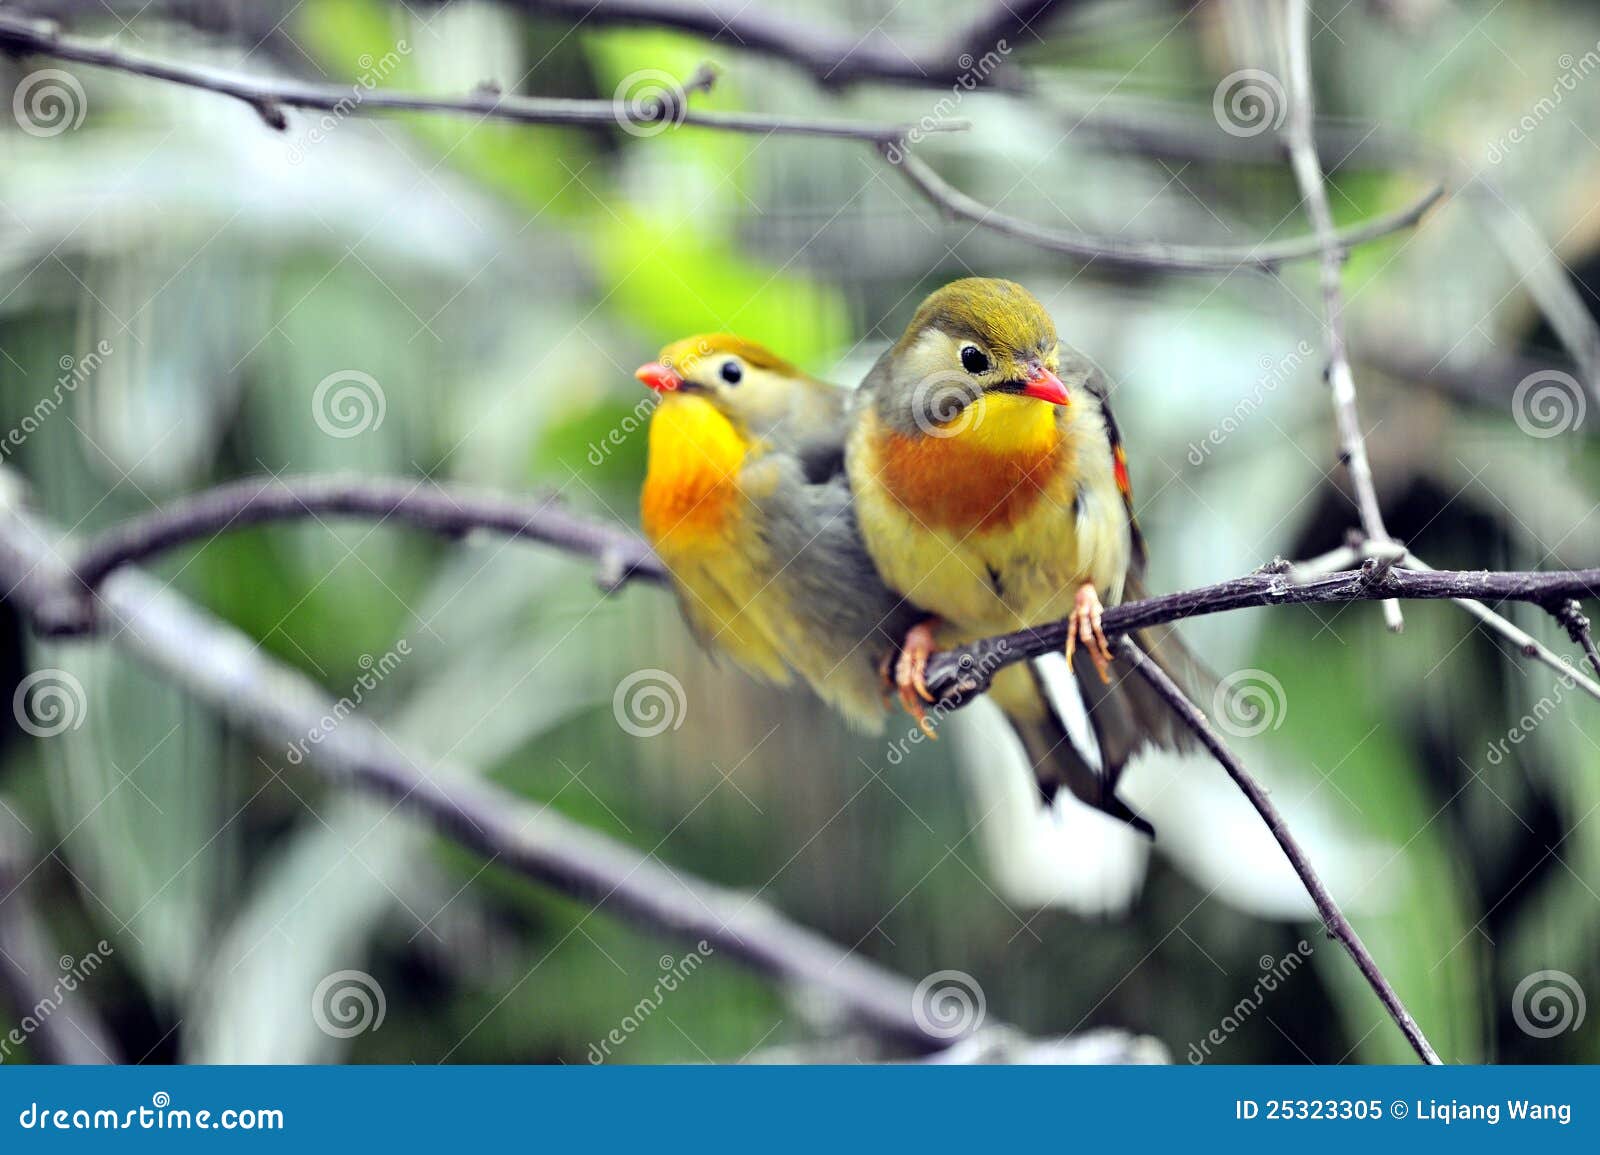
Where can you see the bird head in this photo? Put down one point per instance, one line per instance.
(978, 352)
(746, 383)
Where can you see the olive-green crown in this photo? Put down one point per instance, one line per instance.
(1001, 315)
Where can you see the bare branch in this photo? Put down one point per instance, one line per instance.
(1570, 614)
(67, 608)
(1177, 132)
(69, 1030)
(1263, 257)
(834, 59)
(1298, 135)
(223, 669)
(1360, 551)
(1332, 918)
(1525, 642)
(955, 675)
(423, 505)
(269, 96)
(279, 706)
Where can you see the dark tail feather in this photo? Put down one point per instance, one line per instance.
(1050, 751)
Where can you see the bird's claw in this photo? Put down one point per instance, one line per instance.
(1084, 624)
(910, 674)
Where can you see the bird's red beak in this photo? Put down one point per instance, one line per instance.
(659, 377)
(1046, 386)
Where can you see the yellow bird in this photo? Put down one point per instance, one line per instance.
(992, 490)
(746, 503)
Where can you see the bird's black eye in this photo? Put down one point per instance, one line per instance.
(973, 359)
(732, 372)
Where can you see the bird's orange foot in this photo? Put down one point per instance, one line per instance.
(1084, 624)
(910, 672)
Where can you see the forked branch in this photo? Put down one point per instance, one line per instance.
(1332, 917)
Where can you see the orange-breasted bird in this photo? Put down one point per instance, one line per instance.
(746, 502)
(992, 490)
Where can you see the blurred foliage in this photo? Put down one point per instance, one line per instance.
(500, 282)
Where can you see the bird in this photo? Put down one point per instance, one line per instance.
(746, 503)
(992, 491)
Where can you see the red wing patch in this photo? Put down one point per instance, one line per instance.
(1119, 467)
(1119, 471)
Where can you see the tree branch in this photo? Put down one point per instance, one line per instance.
(280, 707)
(834, 59)
(1265, 256)
(269, 96)
(1179, 133)
(955, 675)
(423, 505)
(1570, 614)
(1525, 642)
(1332, 917)
(1302, 146)
(68, 608)
(68, 1030)
(223, 669)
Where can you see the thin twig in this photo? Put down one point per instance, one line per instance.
(834, 59)
(65, 1026)
(956, 674)
(623, 556)
(1570, 614)
(1346, 556)
(1553, 287)
(1332, 918)
(1175, 131)
(423, 505)
(1526, 643)
(1302, 147)
(279, 706)
(269, 96)
(1265, 256)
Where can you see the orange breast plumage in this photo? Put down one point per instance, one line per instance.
(965, 485)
